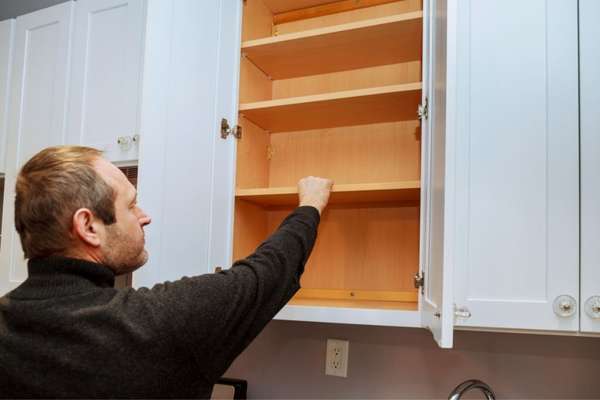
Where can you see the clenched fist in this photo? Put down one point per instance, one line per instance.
(314, 192)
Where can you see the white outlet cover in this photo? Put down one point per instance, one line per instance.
(336, 359)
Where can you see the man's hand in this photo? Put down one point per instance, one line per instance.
(314, 192)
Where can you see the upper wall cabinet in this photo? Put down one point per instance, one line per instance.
(515, 164)
(325, 88)
(7, 30)
(37, 112)
(589, 66)
(106, 76)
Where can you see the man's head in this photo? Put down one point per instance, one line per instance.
(72, 202)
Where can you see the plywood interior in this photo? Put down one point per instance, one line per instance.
(367, 248)
(263, 18)
(384, 40)
(330, 110)
(385, 152)
(253, 163)
(256, 86)
(362, 78)
(368, 252)
(323, 10)
(257, 20)
(354, 154)
(250, 228)
(400, 192)
(351, 118)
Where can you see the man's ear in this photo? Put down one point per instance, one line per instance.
(86, 227)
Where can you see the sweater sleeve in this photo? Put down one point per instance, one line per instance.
(218, 315)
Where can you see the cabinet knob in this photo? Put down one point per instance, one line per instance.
(592, 307)
(462, 312)
(565, 306)
(124, 142)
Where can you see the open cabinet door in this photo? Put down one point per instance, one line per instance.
(220, 245)
(185, 167)
(435, 301)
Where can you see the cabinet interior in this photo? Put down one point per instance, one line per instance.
(332, 89)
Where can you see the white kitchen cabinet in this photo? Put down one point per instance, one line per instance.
(205, 213)
(514, 221)
(589, 67)
(106, 75)
(7, 30)
(38, 104)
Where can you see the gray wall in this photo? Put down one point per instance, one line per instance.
(14, 8)
(287, 359)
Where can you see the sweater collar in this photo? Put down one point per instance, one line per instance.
(59, 276)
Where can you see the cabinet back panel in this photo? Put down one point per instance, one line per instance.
(355, 154)
(384, 10)
(252, 168)
(367, 248)
(257, 20)
(390, 74)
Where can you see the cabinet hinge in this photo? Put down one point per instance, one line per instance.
(226, 130)
(423, 110)
(420, 281)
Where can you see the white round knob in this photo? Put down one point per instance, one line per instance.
(592, 307)
(565, 306)
(124, 142)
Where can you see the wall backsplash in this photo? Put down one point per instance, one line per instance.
(288, 360)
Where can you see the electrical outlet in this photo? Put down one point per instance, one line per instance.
(336, 360)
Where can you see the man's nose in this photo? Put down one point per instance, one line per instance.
(145, 219)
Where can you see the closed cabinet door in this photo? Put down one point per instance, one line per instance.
(515, 222)
(589, 32)
(7, 29)
(106, 76)
(37, 111)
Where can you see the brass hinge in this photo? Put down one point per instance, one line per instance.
(420, 281)
(226, 130)
(423, 110)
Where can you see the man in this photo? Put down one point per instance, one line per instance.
(67, 332)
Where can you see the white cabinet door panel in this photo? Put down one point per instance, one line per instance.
(436, 297)
(37, 113)
(516, 139)
(589, 66)
(7, 30)
(185, 92)
(106, 75)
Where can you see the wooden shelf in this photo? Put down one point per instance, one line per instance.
(346, 108)
(387, 40)
(405, 193)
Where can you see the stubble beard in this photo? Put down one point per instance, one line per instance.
(123, 255)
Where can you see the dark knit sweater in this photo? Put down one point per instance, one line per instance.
(66, 332)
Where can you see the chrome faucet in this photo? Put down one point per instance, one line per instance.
(464, 387)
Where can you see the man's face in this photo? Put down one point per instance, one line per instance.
(123, 245)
